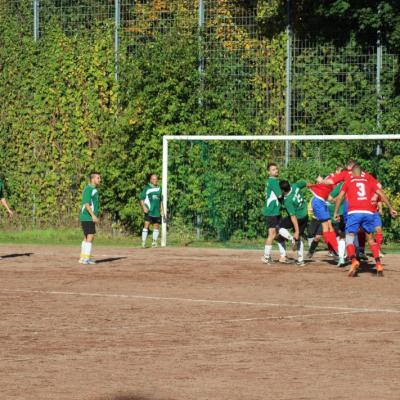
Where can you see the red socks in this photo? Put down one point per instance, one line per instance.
(379, 239)
(351, 251)
(375, 250)
(330, 239)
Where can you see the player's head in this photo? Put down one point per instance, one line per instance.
(356, 170)
(95, 178)
(339, 169)
(153, 179)
(285, 187)
(351, 164)
(273, 169)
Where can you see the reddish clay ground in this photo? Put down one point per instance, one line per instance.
(194, 324)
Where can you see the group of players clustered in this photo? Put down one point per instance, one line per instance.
(345, 211)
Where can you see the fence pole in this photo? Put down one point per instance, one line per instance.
(117, 24)
(36, 20)
(378, 82)
(288, 102)
(201, 55)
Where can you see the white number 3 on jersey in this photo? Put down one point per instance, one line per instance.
(361, 189)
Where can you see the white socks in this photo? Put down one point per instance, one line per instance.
(155, 235)
(86, 250)
(300, 250)
(282, 249)
(285, 233)
(341, 248)
(267, 250)
(145, 232)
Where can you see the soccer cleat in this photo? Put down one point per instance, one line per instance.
(266, 259)
(362, 256)
(341, 262)
(154, 244)
(309, 256)
(81, 260)
(381, 255)
(284, 260)
(353, 272)
(300, 263)
(332, 254)
(379, 269)
(87, 261)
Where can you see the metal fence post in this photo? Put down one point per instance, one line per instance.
(201, 55)
(36, 20)
(378, 82)
(117, 24)
(288, 100)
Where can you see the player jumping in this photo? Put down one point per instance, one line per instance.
(359, 191)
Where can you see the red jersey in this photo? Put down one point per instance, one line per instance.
(347, 174)
(320, 190)
(359, 193)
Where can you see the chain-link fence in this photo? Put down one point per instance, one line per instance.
(332, 89)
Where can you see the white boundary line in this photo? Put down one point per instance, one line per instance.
(200, 301)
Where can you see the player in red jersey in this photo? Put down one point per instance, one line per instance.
(320, 209)
(359, 192)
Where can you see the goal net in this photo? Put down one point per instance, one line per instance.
(213, 186)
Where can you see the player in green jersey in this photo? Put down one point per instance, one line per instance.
(3, 199)
(151, 202)
(89, 216)
(297, 218)
(271, 209)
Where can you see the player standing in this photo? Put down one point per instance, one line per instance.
(151, 202)
(3, 199)
(89, 216)
(297, 218)
(360, 191)
(271, 209)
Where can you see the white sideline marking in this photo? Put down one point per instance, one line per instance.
(205, 301)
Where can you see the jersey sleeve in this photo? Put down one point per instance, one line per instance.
(345, 187)
(338, 177)
(301, 184)
(143, 194)
(274, 186)
(87, 195)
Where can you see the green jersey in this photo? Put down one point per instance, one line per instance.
(294, 201)
(152, 197)
(331, 206)
(90, 196)
(272, 207)
(2, 195)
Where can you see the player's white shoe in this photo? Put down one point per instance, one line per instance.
(300, 263)
(154, 245)
(284, 260)
(87, 261)
(143, 245)
(341, 262)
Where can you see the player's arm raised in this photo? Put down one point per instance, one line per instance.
(385, 199)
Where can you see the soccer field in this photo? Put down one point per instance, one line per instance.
(194, 324)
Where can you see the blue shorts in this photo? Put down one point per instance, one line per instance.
(360, 220)
(320, 210)
(345, 210)
(377, 220)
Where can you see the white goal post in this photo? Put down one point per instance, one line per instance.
(283, 138)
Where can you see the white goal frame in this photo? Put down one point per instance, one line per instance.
(272, 138)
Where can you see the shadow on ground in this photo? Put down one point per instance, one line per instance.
(111, 259)
(13, 255)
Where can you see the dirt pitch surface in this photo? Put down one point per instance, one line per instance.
(194, 324)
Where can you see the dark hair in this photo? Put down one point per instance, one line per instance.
(285, 186)
(271, 165)
(93, 174)
(351, 163)
(150, 175)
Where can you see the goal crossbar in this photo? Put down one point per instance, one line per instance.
(240, 138)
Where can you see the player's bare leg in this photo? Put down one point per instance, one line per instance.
(267, 259)
(145, 233)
